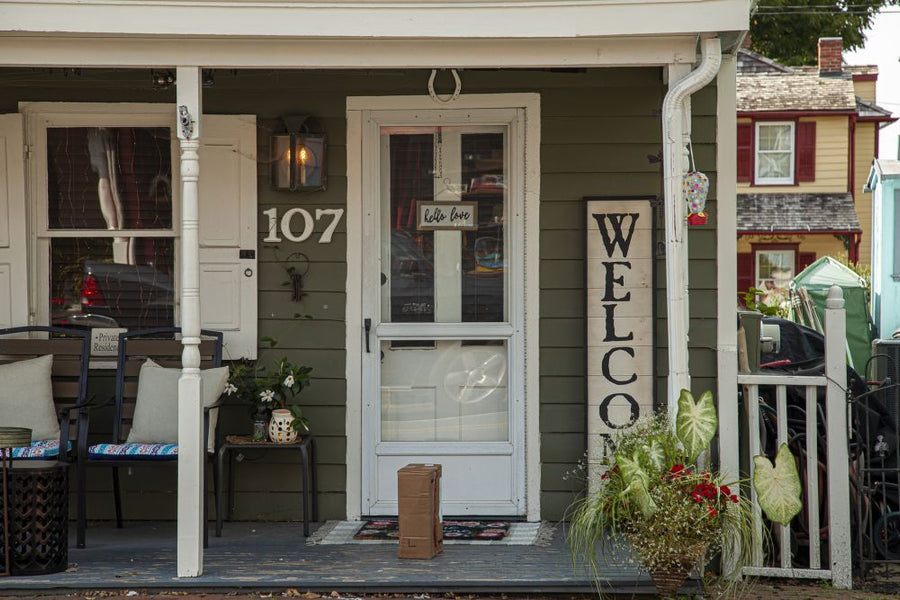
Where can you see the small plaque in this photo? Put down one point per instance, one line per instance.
(105, 340)
(436, 216)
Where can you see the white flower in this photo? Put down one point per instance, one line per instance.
(230, 389)
(288, 381)
(267, 396)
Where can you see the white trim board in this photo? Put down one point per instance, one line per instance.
(45, 50)
(529, 105)
(526, 19)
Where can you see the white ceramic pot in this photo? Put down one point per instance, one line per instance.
(280, 430)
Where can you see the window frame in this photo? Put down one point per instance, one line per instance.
(791, 179)
(40, 116)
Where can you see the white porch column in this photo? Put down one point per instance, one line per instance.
(190, 409)
(726, 270)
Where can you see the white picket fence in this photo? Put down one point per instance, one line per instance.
(836, 437)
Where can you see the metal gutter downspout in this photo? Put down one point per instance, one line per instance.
(676, 217)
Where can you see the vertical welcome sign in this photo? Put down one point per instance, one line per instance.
(619, 319)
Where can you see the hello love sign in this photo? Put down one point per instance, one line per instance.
(436, 216)
(619, 319)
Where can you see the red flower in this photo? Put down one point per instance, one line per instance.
(734, 498)
(604, 476)
(724, 489)
(711, 511)
(676, 469)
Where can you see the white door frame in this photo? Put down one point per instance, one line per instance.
(526, 324)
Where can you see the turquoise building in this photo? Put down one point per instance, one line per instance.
(884, 183)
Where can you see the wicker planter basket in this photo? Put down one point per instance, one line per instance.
(668, 580)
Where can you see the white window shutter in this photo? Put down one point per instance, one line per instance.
(228, 283)
(13, 241)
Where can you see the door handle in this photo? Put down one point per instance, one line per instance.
(367, 323)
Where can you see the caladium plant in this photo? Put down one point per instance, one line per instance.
(778, 487)
(696, 423)
(695, 427)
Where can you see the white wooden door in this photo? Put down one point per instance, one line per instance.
(442, 307)
(13, 259)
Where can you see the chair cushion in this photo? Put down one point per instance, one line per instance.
(27, 399)
(156, 406)
(148, 451)
(39, 449)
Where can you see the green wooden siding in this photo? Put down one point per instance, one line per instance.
(598, 128)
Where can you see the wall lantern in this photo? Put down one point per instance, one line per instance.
(298, 157)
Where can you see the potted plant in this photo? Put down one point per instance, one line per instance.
(271, 393)
(282, 385)
(672, 513)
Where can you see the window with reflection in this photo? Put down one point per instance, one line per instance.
(110, 224)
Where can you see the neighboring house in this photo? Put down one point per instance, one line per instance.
(474, 343)
(884, 183)
(806, 139)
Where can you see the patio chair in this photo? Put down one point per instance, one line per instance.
(43, 381)
(145, 424)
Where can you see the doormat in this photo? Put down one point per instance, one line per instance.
(389, 529)
(518, 534)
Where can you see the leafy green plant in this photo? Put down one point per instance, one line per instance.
(269, 387)
(654, 497)
(749, 299)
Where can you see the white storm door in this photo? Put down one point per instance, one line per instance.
(442, 297)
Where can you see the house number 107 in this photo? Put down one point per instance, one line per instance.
(308, 224)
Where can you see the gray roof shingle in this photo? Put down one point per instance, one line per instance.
(796, 212)
(794, 91)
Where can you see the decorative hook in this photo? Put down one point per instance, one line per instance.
(445, 99)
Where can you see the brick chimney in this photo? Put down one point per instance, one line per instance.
(831, 56)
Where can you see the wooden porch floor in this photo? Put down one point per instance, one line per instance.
(268, 556)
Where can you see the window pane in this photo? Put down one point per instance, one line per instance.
(109, 178)
(89, 289)
(774, 165)
(454, 392)
(483, 255)
(774, 270)
(411, 251)
(775, 137)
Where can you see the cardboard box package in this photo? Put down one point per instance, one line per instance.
(419, 511)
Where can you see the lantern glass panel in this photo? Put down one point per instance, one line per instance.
(309, 166)
(280, 153)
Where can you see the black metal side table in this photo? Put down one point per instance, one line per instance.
(38, 509)
(306, 445)
(10, 437)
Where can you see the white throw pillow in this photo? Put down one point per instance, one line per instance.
(156, 406)
(26, 397)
